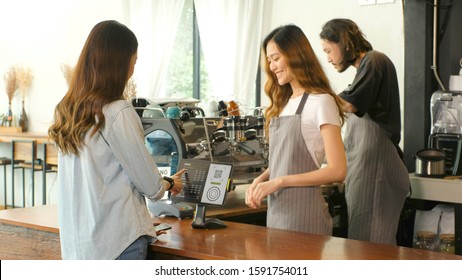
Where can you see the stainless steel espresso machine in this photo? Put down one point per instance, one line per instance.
(235, 139)
(190, 135)
(446, 131)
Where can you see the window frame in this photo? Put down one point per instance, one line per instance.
(197, 65)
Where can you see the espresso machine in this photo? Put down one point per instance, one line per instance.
(232, 139)
(446, 131)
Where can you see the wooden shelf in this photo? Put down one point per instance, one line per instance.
(10, 129)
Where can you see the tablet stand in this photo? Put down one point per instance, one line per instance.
(201, 222)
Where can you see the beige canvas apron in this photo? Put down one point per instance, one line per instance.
(294, 208)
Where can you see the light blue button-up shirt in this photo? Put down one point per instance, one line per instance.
(101, 205)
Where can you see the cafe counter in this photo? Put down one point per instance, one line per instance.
(33, 233)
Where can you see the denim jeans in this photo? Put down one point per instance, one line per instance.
(138, 250)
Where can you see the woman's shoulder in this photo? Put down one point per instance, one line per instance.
(322, 97)
(116, 106)
(113, 109)
(320, 103)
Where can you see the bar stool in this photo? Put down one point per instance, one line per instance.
(4, 161)
(24, 156)
(50, 164)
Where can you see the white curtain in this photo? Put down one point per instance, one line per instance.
(155, 23)
(231, 32)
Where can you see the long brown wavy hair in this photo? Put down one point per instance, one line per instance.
(303, 63)
(98, 79)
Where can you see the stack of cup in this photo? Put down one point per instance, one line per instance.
(455, 81)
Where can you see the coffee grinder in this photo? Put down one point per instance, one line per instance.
(446, 131)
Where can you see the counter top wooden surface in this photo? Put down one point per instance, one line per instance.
(250, 242)
(45, 217)
(39, 137)
(237, 241)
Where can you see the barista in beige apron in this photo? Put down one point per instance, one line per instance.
(300, 208)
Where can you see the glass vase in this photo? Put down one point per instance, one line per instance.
(9, 116)
(23, 121)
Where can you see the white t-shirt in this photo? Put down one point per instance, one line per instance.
(319, 109)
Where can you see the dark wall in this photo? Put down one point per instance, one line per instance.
(450, 46)
(419, 79)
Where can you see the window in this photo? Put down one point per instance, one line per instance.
(187, 73)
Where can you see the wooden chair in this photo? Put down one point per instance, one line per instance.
(4, 161)
(24, 156)
(49, 164)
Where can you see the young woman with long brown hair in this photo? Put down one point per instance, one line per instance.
(104, 169)
(304, 122)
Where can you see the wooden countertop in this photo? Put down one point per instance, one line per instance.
(250, 242)
(39, 137)
(237, 241)
(45, 217)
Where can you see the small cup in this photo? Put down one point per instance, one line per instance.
(455, 82)
(173, 112)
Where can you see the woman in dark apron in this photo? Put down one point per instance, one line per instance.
(377, 181)
(304, 127)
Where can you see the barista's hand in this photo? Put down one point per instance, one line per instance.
(258, 191)
(249, 197)
(347, 106)
(178, 186)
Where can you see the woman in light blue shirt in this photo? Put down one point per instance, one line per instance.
(104, 169)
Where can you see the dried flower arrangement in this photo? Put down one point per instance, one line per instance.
(130, 89)
(67, 71)
(15, 79)
(11, 83)
(24, 79)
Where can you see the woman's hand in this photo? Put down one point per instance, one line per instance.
(249, 197)
(159, 232)
(178, 185)
(257, 191)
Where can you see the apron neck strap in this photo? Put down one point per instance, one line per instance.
(302, 103)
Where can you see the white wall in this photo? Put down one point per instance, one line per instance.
(44, 34)
(382, 24)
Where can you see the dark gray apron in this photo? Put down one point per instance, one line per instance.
(294, 208)
(377, 182)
